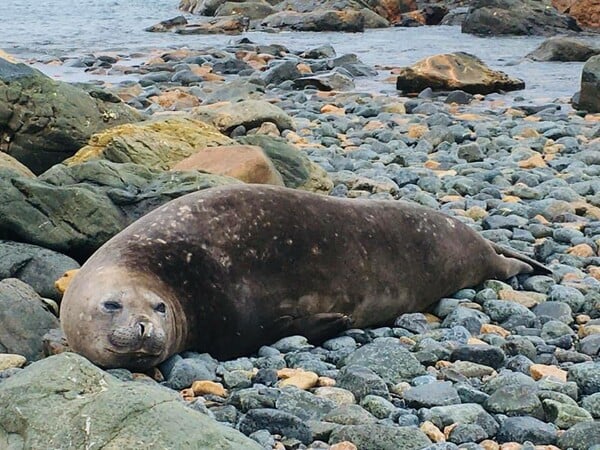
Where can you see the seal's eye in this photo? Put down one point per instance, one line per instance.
(161, 308)
(112, 306)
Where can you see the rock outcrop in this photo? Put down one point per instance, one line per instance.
(66, 402)
(516, 17)
(43, 121)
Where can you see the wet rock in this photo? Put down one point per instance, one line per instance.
(561, 48)
(350, 415)
(43, 121)
(592, 404)
(514, 17)
(24, 320)
(378, 406)
(589, 96)
(167, 25)
(132, 415)
(564, 416)
(158, 144)
(381, 437)
(231, 25)
(455, 71)
(36, 266)
(515, 400)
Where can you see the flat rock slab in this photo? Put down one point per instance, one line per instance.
(453, 71)
(66, 402)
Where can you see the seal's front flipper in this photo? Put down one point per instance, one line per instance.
(315, 328)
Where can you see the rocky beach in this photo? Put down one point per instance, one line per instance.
(492, 118)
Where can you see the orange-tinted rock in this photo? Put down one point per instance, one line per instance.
(204, 387)
(247, 163)
(538, 371)
(175, 100)
(344, 445)
(452, 71)
(586, 12)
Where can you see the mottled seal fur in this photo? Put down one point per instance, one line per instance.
(228, 269)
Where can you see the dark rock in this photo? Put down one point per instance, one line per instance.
(526, 428)
(481, 354)
(464, 433)
(589, 96)
(251, 9)
(515, 400)
(23, 320)
(515, 17)
(561, 48)
(36, 266)
(332, 81)
(466, 413)
(280, 72)
(276, 422)
(168, 25)
(303, 404)
(350, 415)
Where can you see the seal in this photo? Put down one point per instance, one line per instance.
(228, 269)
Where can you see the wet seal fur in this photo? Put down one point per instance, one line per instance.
(228, 269)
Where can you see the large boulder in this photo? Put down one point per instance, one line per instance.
(43, 121)
(589, 96)
(516, 17)
(256, 9)
(66, 402)
(9, 162)
(24, 320)
(294, 166)
(561, 48)
(34, 265)
(250, 114)
(454, 71)
(586, 12)
(157, 144)
(391, 10)
(318, 20)
(75, 209)
(247, 163)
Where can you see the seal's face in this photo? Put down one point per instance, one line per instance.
(121, 323)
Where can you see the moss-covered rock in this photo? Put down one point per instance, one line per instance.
(43, 121)
(66, 402)
(74, 210)
(157, 144)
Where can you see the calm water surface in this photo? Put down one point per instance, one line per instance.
(74, 27)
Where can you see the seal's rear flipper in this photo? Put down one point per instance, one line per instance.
(537, 268)
(316, 328)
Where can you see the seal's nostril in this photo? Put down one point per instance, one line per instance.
(142, 327)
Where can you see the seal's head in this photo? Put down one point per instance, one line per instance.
(119, 318)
